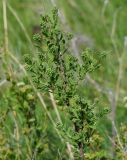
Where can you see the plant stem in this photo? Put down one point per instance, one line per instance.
(81, 151)
(80, 144)
(5, 27)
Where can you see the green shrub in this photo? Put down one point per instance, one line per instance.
(54, 69)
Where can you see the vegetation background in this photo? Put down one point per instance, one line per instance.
(100, 25)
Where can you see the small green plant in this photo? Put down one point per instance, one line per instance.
(24, 129)
(54, 69)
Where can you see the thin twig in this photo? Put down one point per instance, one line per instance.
(19, 22)
(55, 106)
(104, 7)
(5, 27)
(113, 30)
(69, 147)
(119, 75)
(117, 135)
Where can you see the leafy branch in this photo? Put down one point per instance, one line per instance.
(54, 69)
